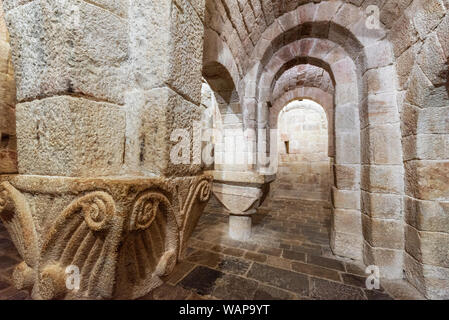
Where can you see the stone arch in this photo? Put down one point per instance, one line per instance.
(220, 82)
(217, 51)
(347, 133)
(381, 172)
(227, 119)
(302, 75)
(304, 165)
(324, 99)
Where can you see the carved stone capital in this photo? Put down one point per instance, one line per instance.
(238, 200)
(119, 236)
(241, 193)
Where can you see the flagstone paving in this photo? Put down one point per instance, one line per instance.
(288, 257)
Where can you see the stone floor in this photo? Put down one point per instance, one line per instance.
(288, 257)
(9, 258)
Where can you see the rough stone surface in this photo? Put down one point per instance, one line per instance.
(122, 234)
(8, 143)
(81, 137)
(160, 137)
(68, 47)
(102, 86)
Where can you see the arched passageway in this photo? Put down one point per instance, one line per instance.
(303, 152)
(326, 53)
(303, 178)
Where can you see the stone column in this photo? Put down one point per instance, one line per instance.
(241, 193)
(102, 86)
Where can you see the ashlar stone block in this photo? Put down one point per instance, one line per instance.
(427, 215)
(69, 136)
(69, 46)
(382, 206)
(347, 245)
(389, 261)
(383, 233)
(166, 141)
(422, 93)
(379, 109)
(380, 80)
(347, 147)
(426, 147)
(428, 247)
(382, 145)
(104, 226)
(427, 180)
(347, 221)
(347, 177)
(383, 179)
(432, 281)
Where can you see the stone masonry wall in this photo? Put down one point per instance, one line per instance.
(420, 36)
(8, 141)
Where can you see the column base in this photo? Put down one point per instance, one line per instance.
(102, 238)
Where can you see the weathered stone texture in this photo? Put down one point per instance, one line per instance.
(153, 146)
(8, 147)
(103, 85)
(116, 224)
(68, 47)
(69, 136)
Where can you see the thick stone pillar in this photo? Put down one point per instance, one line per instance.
(8, 151)
(101, 88)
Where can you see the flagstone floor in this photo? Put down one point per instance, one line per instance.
(288, 257)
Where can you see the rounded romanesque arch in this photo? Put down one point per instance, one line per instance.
(324, 99)
(332, 35)
(304, 165)
(346, 126)
(302, 75)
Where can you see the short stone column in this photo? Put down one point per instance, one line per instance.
(241, 193)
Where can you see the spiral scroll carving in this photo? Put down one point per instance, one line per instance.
(146, 208)
(121, 250)
(204, 188)
(98, 208)
(86, 234)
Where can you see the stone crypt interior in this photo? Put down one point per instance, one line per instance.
(328, 122)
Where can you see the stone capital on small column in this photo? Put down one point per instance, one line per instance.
(241, 193)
